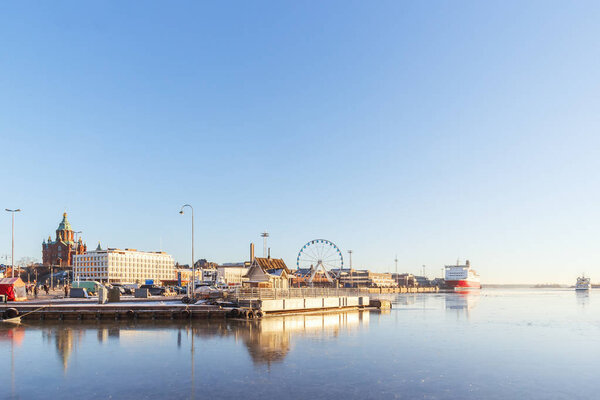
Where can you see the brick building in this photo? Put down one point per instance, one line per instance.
(61, 251)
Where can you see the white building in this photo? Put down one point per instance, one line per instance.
(123, 266)
(232, 274)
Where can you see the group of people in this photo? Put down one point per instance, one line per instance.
(35, 289)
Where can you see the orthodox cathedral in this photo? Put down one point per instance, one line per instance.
(61, 251)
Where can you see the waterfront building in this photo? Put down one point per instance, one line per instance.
(439, 282)
(184, 273)
(301, 277)
(232, 274)
(206, 275)
(423, 281)
(123, 266)
(267, 272)
(63, 248)
(364, 278)
(405, 280)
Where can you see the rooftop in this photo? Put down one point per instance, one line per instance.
(269, 264)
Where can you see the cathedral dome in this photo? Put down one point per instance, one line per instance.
(64, 225)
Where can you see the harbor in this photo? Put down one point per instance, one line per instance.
(238, 304)
(121, 284)
(299, 200)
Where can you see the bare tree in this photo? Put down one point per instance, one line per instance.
(26, 262)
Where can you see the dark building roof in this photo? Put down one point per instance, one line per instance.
(268, 264)
(277, 272)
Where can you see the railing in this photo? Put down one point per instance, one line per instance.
(271, 294)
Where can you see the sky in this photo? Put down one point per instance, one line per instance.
(431, 131)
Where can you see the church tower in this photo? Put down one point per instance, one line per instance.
(64, 231)
(60, 251)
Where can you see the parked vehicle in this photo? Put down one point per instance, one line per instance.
(154, 290)
(90, 286)
(130, 288)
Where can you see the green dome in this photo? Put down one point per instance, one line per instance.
(64, 224)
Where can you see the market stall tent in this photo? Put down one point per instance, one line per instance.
(13, 289)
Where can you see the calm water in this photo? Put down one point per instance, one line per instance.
(497, 344)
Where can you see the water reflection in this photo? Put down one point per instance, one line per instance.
(406, 300)
(14, 336)
(65, 340)
(583, 298)
(461, 303)
(509, 343)
(267, 341)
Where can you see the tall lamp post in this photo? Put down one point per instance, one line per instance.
(192, 264)
(396, 262)
(351, 272)
(12, 262)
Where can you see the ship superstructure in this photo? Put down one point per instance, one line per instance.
(583, 283)
(461, 277)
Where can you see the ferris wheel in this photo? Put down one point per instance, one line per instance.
(320, 254)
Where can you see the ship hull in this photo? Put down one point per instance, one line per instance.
(463, 284)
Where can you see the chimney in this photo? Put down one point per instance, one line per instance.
(251, 252)
(269, 254)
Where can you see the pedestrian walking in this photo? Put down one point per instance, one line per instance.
(66, 290)
(46, 289)
(35, 291)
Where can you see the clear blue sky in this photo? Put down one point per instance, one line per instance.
(431, 130)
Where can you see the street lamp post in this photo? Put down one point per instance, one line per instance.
(192, 265)
(12, 262)
(351, 273)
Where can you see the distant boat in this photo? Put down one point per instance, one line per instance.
(459, 277)
(583, 283)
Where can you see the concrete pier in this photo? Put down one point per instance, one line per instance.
(242, 303)
(165, 310)
(116, 311)
(305, 303)
(428, 289)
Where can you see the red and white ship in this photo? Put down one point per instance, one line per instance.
(462, 277)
